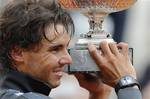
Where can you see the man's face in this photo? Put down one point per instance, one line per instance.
(48, 62)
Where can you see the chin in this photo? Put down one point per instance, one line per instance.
(54, 84)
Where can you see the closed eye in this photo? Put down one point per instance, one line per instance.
(56, 48)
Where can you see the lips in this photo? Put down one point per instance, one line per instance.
(58, 72)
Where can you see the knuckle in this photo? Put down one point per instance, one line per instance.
(103, 43)
(124, 44)
(111, 59)
(112, 44)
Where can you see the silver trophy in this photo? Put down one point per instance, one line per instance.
(95, 11)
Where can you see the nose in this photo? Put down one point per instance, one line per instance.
(65, 59)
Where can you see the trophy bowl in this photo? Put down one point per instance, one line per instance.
(107, 6)
(95, 11)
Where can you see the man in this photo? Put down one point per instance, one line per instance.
(34, 36)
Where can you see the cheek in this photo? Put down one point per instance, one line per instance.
(42, 61)
(45, 73)
(33, 60)
(47, 66)
(42, 65)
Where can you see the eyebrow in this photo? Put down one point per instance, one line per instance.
(58, 45)
(55, 46)
(55, 43)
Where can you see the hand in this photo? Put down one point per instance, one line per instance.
(94, 85)
(113, 63)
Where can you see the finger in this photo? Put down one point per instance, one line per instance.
(105, 48)
(79, 75)
(113, 48)
(95, 54)
(91, 76)
(124, 48)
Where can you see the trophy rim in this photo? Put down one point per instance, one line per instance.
(103, 7)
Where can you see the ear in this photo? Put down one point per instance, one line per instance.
(17, 54)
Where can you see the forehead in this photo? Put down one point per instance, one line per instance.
(56, 33)
(52, 31)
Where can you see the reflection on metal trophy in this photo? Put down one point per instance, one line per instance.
(95, 11)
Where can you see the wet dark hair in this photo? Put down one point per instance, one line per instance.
(23, 23)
